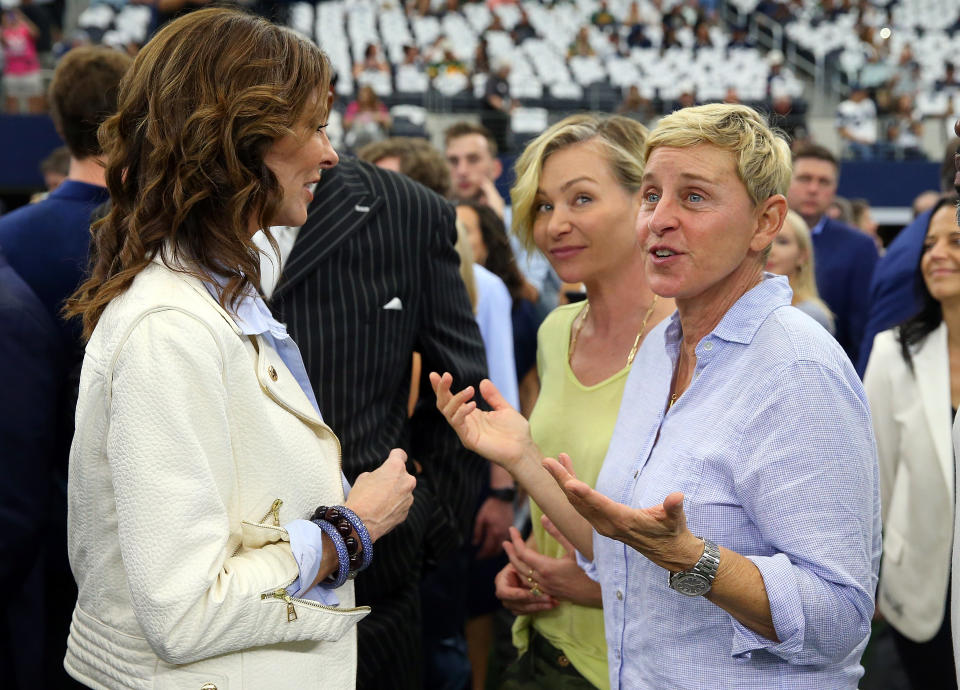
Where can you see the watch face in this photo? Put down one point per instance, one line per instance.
(690, 584)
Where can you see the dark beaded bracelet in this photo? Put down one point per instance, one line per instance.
(365, 540)
(343, 559)
(347, 523)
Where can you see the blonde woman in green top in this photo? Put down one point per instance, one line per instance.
(576, 200)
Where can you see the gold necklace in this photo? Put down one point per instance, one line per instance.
(636, 341)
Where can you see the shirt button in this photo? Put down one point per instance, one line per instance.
(619, 595)
(272, 372)
(708, 346)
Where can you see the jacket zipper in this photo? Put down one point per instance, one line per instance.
(281, 594)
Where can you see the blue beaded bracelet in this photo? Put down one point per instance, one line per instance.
(361, 530)
(343, 558)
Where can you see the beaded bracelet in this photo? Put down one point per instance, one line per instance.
(343, 558)
(361, 530)
(348, 523)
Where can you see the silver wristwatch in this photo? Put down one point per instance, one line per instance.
(698, 580)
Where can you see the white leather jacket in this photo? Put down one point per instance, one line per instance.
(187, 433)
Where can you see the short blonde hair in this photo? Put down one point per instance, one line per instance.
(763, 156)
(621, 137)
(803, 281)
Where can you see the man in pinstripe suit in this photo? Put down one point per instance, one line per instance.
(371, 277)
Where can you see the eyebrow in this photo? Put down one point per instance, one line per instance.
(570, 183)
(686, 177)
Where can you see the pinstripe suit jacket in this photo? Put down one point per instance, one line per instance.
(372, 236)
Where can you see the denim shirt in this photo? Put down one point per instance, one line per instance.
(772, 446)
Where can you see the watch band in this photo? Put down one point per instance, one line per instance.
(699, 579)
(507, 493)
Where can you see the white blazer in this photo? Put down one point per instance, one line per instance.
(187, 432)
(911, 420)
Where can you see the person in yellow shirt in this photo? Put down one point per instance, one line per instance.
(576, 200)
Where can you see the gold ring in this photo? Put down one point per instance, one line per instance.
(536, 591)
(530, 579)
(530, 574)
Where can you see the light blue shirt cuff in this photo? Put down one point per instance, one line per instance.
(589, 567)
(786, 609)
(306, 542)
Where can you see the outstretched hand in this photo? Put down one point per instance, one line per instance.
(501, 435)
(659, 532)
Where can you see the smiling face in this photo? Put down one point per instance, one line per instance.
(940, 262)
(786, 257)
(702, 236)
(296, 160)
(584, 218)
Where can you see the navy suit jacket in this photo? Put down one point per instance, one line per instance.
(893, 294)
(845, 259)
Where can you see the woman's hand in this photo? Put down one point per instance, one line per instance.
(513, 590)
(382, 498)
(501, 435)
(559, 578)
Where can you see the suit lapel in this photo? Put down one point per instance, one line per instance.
(932, 367)
(343, 203)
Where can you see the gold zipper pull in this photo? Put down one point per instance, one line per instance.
(282, 595)
(275, 510)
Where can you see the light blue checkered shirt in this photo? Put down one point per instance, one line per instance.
(773, 448)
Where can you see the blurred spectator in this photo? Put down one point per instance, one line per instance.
(845, 257)
(857, 123)
(911, 389)
(893, 298)
(55, 167)
(602, 18)
(786, 118)
(481, 59)
(637, 37)
(334, 131)
(862, 219)
(497, 103)
(950, 83)
(366, 120)
(731, 95)
(924, 201)
(791, 255)
(415, 158)
(22, 80)
(635, 106)
(30, 346)
(841, 210)
(701, 36)
(523, 30)
(905, 129)
(412, 57)
(47, 244)
(581, 44)
(687, 97)
(670, 39)
(779, 77)
(739, 39)
(372, 63)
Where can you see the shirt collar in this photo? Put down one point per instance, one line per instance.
(251, 313)
(818, 228)
(743, 319)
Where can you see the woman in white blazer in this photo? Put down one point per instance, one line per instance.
(201, 473)
(912, 388)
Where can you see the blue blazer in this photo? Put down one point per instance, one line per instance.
(893, 294)
(845, 259)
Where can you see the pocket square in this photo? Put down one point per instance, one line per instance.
(395, 303)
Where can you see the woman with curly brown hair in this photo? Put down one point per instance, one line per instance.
(205, 532)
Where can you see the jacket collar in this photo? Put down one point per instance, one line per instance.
(344, 201)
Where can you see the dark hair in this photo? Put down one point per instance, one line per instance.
(462, 129)
(83, 93)
(914, 330)
(418, 160)
(198, 111)
(500, 258)
(948, 168)
(815, 151)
